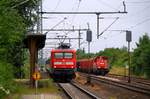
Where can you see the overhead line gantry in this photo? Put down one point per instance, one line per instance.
(87, 13)
(95, 13)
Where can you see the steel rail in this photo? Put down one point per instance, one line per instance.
(85, 91)
(121, 84)
(143, 81)
(69, 93)
(64, 90)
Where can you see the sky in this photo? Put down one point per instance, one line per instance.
(136, 20)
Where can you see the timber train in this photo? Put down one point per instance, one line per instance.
(62, 64)
(98, 65)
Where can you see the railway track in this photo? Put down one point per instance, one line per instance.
(134, 80)
(73, 91)
(120, 83)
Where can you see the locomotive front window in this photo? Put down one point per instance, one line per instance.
(58, 55)
(63, 55)
(68, 55)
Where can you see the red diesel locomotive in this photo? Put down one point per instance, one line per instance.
(98, 65)
(63, 63)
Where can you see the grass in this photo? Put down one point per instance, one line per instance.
(118, 70)
(44, 86)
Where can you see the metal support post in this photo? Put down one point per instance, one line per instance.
(89, 39)
(79, 38)
(129, 39)
(69, 41)
(41, 9)
(129, 63)
(88, 47)
(89, 77)
(36, 87)
(97, 24)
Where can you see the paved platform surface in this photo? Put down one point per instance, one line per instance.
(42, 96)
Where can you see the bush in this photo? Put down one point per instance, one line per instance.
(6, 79)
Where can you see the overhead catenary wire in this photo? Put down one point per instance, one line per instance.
(78, 6)
(115, 35)
(23, 2)
(139, 23)
(140, 11)
(119, 12)
(64, 22)
(73, 17)
(138, 2)
(57, 5)
(120, 4)
(108, 17)
(134, 26)
(108, 5)
(77, 9)
(137, 15)
(56, 25)
(20, 4)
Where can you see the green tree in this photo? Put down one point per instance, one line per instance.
(26, 9)
(141, 57)
(81, 54)
(116, 56)
(7, 85)
(16, 17)
(11, 31)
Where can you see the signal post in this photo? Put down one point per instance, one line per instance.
(129, 39)
(36, 76)
(89, 39)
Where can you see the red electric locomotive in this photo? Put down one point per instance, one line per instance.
(63, 63)
(98, 65)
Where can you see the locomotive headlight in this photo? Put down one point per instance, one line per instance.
(69, 63)
(98, 67)
(101, 63)
(71, 66)
(57, 63)
(54, 66)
